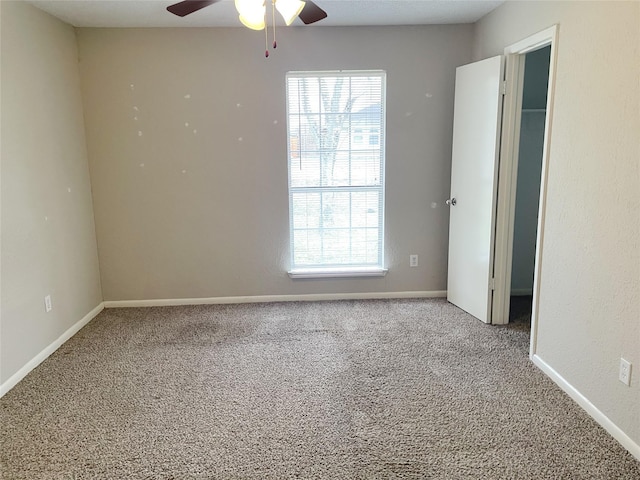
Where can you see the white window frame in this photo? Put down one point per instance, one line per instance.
(340, 271)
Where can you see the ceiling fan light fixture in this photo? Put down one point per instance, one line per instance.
(289, 9)
(251, 13)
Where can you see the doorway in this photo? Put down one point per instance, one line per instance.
(528, 177)
(516, 55)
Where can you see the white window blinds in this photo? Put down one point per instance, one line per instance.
(336, 138)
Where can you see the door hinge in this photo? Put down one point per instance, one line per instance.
(492, 283)
(504, 87)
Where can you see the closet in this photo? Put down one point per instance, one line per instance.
(528, 182)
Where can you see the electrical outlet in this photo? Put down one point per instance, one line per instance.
(625, 372)
(413, 260)
(47, 303)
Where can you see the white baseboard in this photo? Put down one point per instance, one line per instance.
(39, 358)
(165, 302)
(589, 407)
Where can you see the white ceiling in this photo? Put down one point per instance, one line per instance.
(152, 13)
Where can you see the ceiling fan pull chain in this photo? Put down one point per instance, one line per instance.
(266, 43)
(273, 19)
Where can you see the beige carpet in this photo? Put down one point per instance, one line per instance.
(334, 390)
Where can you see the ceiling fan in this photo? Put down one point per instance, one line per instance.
(307, 11)
(252, 13)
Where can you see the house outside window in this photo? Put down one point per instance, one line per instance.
(357, 137)
(335, 126)
(374, 137)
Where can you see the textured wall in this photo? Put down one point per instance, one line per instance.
(186, 133)
(48, 235)
(590, 273)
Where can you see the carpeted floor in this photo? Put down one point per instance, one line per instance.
(378, 389)
(520, 312)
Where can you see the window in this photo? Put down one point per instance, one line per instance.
(374, 138)
(336, 177)
(357, 138)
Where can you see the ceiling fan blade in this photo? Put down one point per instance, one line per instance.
(311, 13)
(183, 9)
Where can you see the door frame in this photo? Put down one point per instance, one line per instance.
(509, 149)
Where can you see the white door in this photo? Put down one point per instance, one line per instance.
(474, 169)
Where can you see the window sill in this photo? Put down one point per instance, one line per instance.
(338, 273)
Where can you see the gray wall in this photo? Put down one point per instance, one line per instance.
(48, 235)
(221, 227)
(590, 269)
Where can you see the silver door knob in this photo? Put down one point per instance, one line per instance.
(451, 202)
